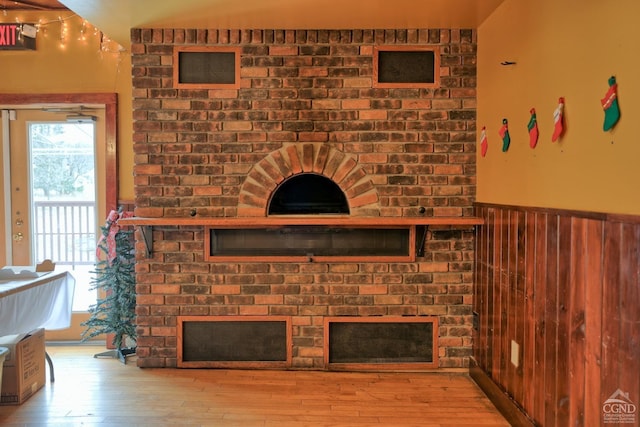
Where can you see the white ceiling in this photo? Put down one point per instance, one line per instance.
(116, 17)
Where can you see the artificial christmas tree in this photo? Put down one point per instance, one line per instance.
(114, 277)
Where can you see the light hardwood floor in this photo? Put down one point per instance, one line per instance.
(102, 392)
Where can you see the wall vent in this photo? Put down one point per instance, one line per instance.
(202, 67)
(234, 341)
(392, 343)
(406, 66)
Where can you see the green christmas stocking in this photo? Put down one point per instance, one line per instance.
(610, 105)
(532, 126)
(504, 134)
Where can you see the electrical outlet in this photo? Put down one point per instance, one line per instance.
(515, 353)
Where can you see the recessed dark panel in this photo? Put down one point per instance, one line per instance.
(308, 194)
(384, 342)
(235, 341)
(406, 66)
(207, 67)
(310, 241)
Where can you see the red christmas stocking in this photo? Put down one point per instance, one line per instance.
(533, 129)
(504, 134)
(610, 105)
(484, 144)
(558, 120)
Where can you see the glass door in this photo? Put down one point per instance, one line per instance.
(54, 200)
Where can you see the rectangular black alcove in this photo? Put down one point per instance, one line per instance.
(225, 342)
(377, 342)
(406, 66)
(316, 241)
(207, 67)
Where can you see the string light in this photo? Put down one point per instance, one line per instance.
(84, 29)
(63, 32)
(104, 42)
(107, 45)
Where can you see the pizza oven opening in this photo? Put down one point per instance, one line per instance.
(308, 194)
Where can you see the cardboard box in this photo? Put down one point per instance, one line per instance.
(3, 354)
(24, 367)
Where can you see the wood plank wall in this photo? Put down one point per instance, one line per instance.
(564, 286)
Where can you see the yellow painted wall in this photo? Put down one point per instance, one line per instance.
(562, 48)
(67, 64)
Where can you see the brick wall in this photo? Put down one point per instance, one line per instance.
(204, 149)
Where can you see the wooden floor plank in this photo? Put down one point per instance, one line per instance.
(105, 392)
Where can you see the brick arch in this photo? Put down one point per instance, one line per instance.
(319, 158)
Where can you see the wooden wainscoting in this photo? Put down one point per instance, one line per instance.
(557, 301)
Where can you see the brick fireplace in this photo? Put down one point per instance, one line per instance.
(306, 104)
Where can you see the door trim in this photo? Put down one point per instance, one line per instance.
(110, 102)
(6, 187)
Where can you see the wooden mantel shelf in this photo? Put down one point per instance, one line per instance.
(279, 221)
(147, 224)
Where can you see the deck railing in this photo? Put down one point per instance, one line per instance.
(65, 232)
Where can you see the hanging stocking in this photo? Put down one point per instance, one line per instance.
(110, 230)
(610, 105)
(109, 235)
(484, 145)
(558, 121)
(533, 129)
(504, 134)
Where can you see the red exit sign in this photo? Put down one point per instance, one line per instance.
(17, 37)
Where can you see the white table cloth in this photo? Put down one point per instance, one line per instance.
(42, 302)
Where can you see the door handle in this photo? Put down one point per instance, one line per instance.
(18, 237)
